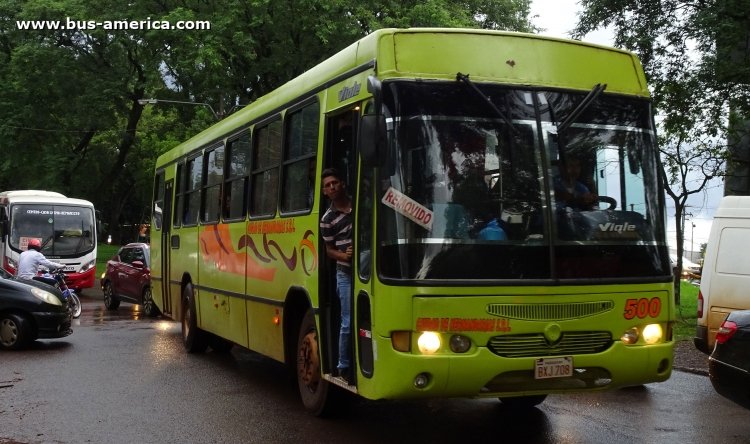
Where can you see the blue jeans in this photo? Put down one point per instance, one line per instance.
(344, 290)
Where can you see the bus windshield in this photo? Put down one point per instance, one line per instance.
(63, 230)
(509, 192)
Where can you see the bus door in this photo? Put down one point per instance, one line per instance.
(340, 153)
(166, 246)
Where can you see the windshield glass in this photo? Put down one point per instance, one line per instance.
(470, 193)
(64, 231)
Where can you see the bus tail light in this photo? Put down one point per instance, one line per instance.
(401, 341)
(700, 304)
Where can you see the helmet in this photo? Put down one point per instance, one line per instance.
(35, 244)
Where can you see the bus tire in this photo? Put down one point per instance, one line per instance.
(523, 402)
(194, 339)
(313, 389)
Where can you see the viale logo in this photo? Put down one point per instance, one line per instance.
(619, 228)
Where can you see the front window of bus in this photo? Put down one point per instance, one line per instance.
(63, 230)
(469, 189)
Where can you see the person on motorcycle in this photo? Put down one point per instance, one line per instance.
(31, 259)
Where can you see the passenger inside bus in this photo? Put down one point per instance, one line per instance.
(570, 190)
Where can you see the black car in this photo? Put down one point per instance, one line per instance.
(30, 310)
(729, 363)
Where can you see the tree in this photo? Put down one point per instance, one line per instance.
(70, 119)
(696, 59)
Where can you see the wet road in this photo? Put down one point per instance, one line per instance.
(122, 379)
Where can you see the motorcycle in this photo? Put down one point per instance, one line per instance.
(70, 296)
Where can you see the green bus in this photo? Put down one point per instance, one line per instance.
(508, 222)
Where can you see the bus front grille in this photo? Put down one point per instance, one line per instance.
(570, 343)
(550, 312)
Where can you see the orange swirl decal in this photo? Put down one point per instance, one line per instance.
(247, 241)
(306, 244)
(259, 261)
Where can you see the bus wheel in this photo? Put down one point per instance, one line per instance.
(523, 402)
(194, 339)
(312, 387)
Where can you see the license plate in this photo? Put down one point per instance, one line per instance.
(545, 368)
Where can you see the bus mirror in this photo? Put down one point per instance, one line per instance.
(374, 87)
(3, 228)
(371, 138)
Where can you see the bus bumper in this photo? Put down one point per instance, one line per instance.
(481, 373)
(81, 280)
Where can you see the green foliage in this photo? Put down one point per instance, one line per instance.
(696, 58)
(697, 61)
(687, 313)
(70, 120)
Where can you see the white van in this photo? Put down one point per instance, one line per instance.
(725, 281)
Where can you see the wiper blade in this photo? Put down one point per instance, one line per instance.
(465, 78)
(581, 107)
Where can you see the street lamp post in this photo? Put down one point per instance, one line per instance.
(692, 229)
(153, 101)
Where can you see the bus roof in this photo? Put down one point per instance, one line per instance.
(40, 196)
(439, 54)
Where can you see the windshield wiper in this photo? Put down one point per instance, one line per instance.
(581, 107)
(465, 78)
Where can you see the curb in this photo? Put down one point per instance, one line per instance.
(695, 371)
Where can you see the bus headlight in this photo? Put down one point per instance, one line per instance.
(630, 336)
(428, 342)
(88, 266)
(460, 344)
(652, 333)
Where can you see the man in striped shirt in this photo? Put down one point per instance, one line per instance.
(336, 230)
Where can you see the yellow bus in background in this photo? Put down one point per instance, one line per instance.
(479, 270)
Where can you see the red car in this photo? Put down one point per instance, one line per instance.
(128, 279)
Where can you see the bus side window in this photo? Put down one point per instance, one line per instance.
(212, 180)
(236, 172)
(299, 158)
(179, 195)
(341, 153)
(264, 184)
(158, 200)
(193, 180)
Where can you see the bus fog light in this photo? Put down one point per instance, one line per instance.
(652, 333)
(421, 380)
(630, 336)
(460, 344)
(428, 342)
